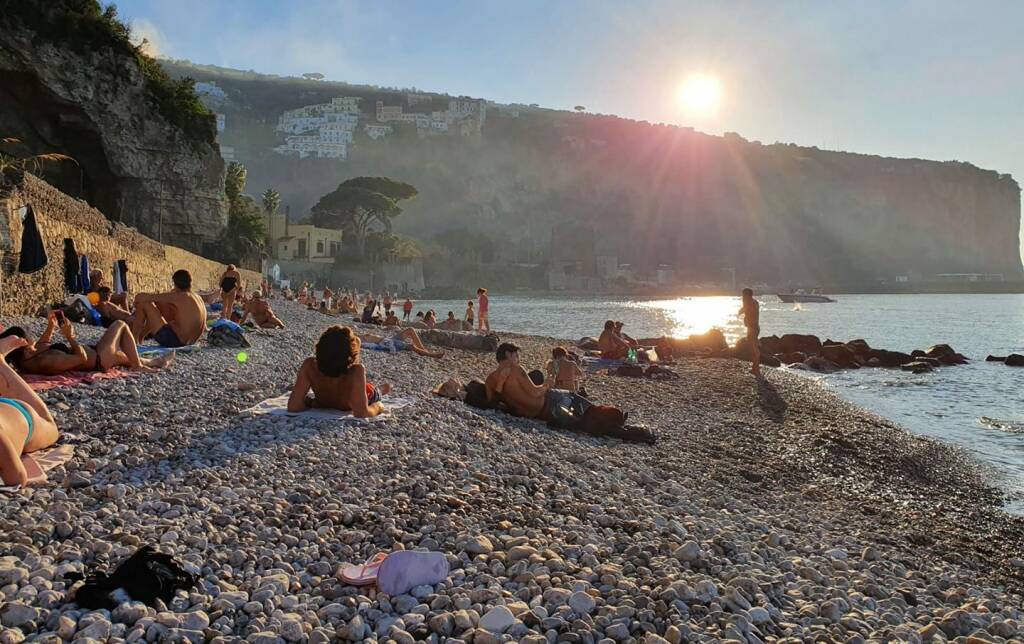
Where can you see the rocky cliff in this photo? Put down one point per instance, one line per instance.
(71, 82)
(655, 194)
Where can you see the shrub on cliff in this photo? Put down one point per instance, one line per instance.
(84, 27)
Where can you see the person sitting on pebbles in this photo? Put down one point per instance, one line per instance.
(337, 378)
(174, 319)
(108, 310)
(115, 348)
(261, 313)
(25, 423)
(563, 371)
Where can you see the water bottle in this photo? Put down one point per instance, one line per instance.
(631, 356)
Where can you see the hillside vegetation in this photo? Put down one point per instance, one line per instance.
(654, 194)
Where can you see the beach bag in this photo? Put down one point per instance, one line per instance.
(476, 394)
(146, 576)
(225, 333)
(78, 309)
(630, 371)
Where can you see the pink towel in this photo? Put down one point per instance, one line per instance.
(74, 378)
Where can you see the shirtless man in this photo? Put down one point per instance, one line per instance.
(611, 345)
(404, 339)
(751, 312)
(510, 383)
(230, 286)
(108, 310)
(261, 313)
(174, 319)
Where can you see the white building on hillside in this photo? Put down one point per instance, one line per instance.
(378, 131)
(210, 94)
(305, 146)
(336, 133)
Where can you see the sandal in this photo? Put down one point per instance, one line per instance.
(364, 575)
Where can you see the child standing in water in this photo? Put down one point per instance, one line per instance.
(751, 312)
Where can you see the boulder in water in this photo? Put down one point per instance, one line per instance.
(1014, 360)
(792, 358)
(992, 358)
(917, 366)
(817, 363)
(841, 355)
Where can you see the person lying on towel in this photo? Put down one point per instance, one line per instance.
(174, 319)
(337, 378)
(400, 341)
(115, 348)
(25, 423)
(509, 387)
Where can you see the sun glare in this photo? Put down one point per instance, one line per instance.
(700, 95)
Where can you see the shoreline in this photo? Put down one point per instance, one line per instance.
(775, 510)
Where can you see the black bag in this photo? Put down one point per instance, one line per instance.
(476, 394)
(145, 576)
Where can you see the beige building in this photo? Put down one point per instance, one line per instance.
(303, 241)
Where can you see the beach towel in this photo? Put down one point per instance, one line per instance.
(37, 464)
(74, 378)
(152, 351)
(71, 266)
(83, 276)
(279, 407)
(589, 362)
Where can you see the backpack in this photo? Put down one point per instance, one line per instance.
(145, 576)
(227, 334)
(605, 420)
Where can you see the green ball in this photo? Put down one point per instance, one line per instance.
(242, 356)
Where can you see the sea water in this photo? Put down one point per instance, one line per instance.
(979, 406)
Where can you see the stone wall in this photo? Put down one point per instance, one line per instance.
(58, 216)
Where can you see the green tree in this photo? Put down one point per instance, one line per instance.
(466, 245)
(234, 180)
(245, 235)
(271, 201)
(360, 203)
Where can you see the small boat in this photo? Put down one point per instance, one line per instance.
(802, 297)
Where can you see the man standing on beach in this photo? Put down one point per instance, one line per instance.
(407, 309)
(751, 312)
(482, 310)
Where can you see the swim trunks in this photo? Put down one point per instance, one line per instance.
(23, 408)
(372, 395)
(166, 337)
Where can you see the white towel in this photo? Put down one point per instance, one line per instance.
(39, 463)
(279, 407)
(118, 283)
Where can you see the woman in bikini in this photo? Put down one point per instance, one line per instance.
(116, 348)
(229, 281)
(337, 378)
(25, 423)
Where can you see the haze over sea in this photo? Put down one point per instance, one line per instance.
(978, 406)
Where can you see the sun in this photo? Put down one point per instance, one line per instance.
(700, 94)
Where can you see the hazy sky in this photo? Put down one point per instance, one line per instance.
(931, 79)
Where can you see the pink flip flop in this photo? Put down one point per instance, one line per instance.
(364, 575)
(405, 569)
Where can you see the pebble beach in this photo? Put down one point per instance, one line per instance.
(767, 511)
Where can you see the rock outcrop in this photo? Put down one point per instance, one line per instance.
(97, 105)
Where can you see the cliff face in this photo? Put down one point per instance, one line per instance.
(94, 105)
(654, 194)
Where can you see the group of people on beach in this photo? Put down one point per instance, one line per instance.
(381, 310)
(334, 374)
